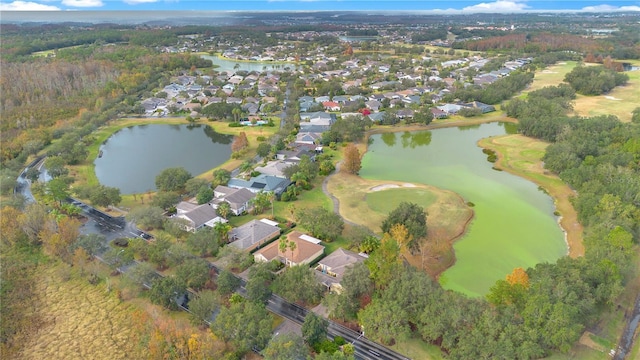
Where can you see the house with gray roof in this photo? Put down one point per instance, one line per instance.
(450, 108)
(261, 183)
(253, 234)
(197, 216)
(331, 269)
(238, 199)
(482, 106)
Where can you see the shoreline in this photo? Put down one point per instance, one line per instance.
(567, 221)
(568, 218)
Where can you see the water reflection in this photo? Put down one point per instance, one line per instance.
(389, 138)
(414, 139)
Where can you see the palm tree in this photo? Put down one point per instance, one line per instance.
(222, 230)
(224, 210)
(271, 196)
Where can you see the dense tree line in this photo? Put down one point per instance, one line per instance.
(494, 93)
(594, 80)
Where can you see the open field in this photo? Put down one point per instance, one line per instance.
(619, 102)
(80, 321)
(367, 202)
(417, 349)
(550, 76)
(522, 156)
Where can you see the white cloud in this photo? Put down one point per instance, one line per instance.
(83, 3)
(136, 2)
(609, 8)
(26, 6)
(500, 6)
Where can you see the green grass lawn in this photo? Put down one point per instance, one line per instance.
(387, 200)
(417, 349)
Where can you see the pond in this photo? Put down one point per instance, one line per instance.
(230, 65)
(132, 157)
(514, 225)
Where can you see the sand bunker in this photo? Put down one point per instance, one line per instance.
(611, 98)
(391, 186)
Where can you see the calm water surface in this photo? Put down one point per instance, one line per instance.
(514, 225)
(259, 66)
(133, 156)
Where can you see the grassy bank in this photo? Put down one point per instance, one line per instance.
(368, 202)
(522, 156)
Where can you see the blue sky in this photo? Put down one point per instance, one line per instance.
(452, 6)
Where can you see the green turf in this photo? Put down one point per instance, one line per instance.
(385, 201)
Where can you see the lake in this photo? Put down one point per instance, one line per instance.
(230, 65)
(514, 225)
(133, 156)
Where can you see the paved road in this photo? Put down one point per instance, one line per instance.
(364, 348)
(626, 340)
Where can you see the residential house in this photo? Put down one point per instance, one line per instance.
(274, 168)
(294, 156)
(438, 114)
(373, 105)
(238, 199)
(405, 114)
(331, 269)
(377, 117)
(253, 234)
(340, 99)
(482, 106)
(261, 183)
(305, 98)
(308, 138)
(305, 250)
(321, 99)
(197, 216)
(451, 109)
(331, 106)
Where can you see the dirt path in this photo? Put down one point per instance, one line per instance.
(336, 202)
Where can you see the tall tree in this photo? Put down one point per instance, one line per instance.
(321, 222)
(314, 328)
(298, 284)
(164, 291)
(244, 324)
(351, 162)
(413, 218)
(105, 195)
(203, 306)
(172, 179)
(220, 177)
(286, 347)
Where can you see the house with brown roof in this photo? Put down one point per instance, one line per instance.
(331, 269)
(253, 234)
(301, 249)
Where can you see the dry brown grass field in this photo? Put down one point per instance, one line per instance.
(619, 102)
(79, 321)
